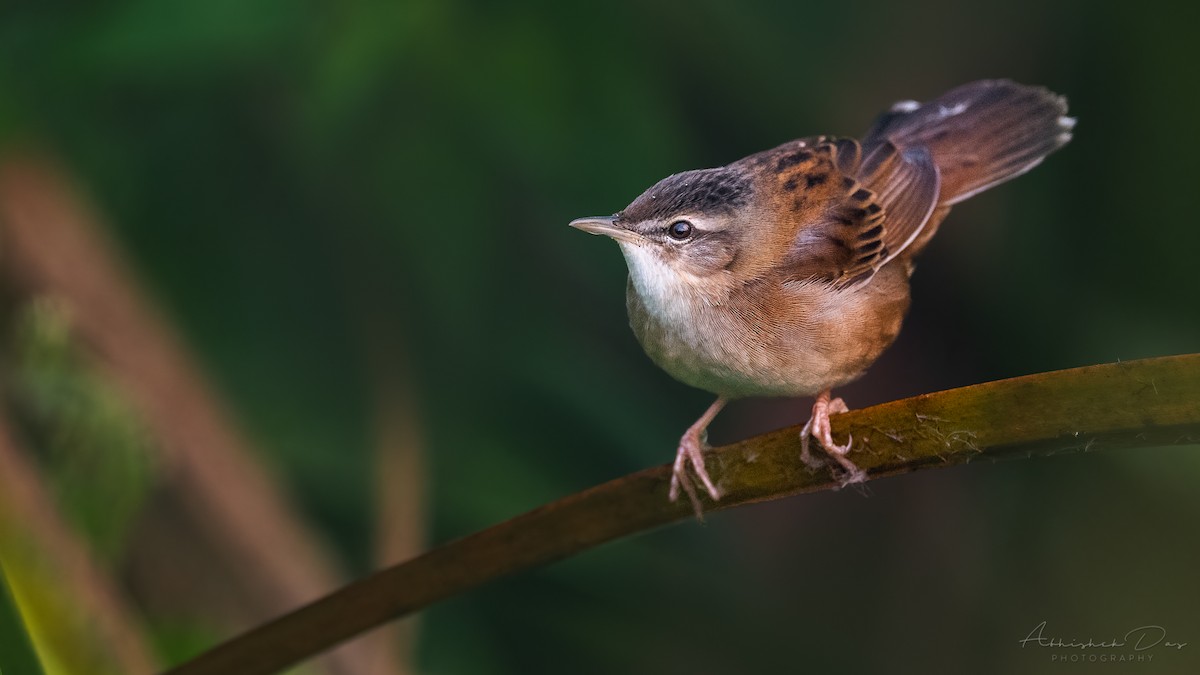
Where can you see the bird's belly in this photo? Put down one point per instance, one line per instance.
(737, 354)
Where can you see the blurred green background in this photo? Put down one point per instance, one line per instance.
(322, 195)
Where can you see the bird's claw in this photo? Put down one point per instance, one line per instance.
(818, 427)
(691, 451)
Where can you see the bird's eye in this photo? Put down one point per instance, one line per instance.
(680, 229)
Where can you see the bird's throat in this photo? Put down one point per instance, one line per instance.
(669, 294)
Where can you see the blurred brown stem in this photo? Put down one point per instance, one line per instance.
(53, 244)
(400, 479)
(1154, 402)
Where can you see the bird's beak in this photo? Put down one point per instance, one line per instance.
(607, 226)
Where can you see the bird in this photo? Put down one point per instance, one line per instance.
(786, 273)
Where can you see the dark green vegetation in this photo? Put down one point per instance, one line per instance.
(349, 210)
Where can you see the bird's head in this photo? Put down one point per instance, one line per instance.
(683, 233)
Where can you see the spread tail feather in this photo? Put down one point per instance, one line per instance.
(980, 134)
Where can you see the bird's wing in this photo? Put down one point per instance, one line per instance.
(852, 211)
(980, 134)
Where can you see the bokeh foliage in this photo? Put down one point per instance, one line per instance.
(305, 185)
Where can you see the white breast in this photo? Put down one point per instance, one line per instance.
(703, 342)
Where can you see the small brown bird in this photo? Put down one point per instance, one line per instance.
(786, 273)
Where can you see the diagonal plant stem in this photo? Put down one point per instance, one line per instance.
(1153, 402)
(16, 649)
(53, 244)
(47, 559)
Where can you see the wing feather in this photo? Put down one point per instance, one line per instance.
(851, 211)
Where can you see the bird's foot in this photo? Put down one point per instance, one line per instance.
(691, 451)
(818, 427)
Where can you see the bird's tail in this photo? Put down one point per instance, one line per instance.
(980, 134)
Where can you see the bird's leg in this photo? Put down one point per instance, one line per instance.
(818, 427)
(691, 449)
